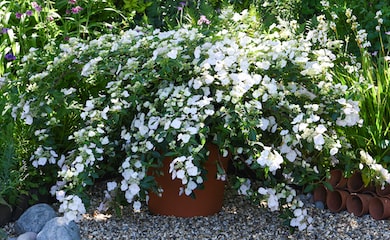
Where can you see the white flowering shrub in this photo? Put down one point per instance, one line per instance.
(122, 103)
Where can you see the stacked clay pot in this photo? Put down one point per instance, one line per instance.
(352, 195)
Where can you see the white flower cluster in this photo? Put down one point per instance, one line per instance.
(148, 91)
(378, 17)
(350, 113)
(184, 169)
(361, 34)
(46, 155)
(284, 196)
(271, 159)
(382, 175)
(71, 206)
(26, 114)
(133, 172)
(301, 219)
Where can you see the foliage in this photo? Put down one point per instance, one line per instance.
(9, 175)
(364, 12)
(33, 24)
(3, 234)
(127, 100)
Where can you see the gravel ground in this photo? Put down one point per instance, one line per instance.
(239, 219)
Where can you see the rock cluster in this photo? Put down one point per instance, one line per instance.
(40, 222)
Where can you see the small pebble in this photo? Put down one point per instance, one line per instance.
(239, 219)
(319, 205)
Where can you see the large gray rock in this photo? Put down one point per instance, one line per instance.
(27, 236)
(59, 228)
(34, 218)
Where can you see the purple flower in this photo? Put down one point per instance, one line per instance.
(29, 13)
(72, 2)
(18, 15)
(76, 9)
(4, 30)
(36, 6)
(204, 20)
(387, 33)
(9, 57)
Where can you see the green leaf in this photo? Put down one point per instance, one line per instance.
(309, 188)
(252, 135)
(328, 186)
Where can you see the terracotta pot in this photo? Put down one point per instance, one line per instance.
(207, 201)
(383, 192)
(379, 208)
(319, 194)
(5, 214)
(355, 184)
(336, 200)
(21, 206)
(358, 204)
(337, 179)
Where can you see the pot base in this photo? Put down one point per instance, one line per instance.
(207, 201)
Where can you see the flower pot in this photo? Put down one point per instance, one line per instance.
(336, 200)
(355, 184)
(319, 194)
(5, 214)
(207, 201)
(337, 179)
(358, 204)
(379, 208)
(383, 192)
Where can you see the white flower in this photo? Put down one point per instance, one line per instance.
(366, 158)
(245, 187)
(153, 123)
(149, 145)
(271, 159)
(319, 140)
(264, 124)
(134, 188)
(273, 202)
(180, 174)
(137, 206)
(79, 168)
(111, 186)
(42, 161)
(60, 195)
(262, 191)
(190, 187)
(68, 91)
(192, 170)
(333, 151)
(184, 137)
(172, 54)
(104, 140)
(176, 123)
(197, 52)
(320, 129)
(88, 68)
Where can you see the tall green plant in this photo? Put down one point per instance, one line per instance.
(10, 174)
(370, 85)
